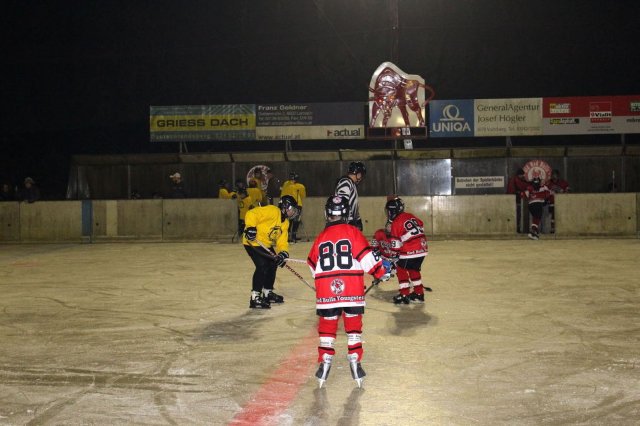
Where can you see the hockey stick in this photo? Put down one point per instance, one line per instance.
(300, 277)
(374, 283)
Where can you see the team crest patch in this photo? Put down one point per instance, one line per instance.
(337, 286)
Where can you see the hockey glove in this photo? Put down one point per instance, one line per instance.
(281, 258)
(251, 233)
(387, 266)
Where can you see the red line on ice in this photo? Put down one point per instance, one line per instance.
(282, 387)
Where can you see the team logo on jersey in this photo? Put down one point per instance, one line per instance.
(337, 286)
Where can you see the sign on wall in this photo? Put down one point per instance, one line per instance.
(508, 117)
(397, 99)
(451, 118)
(591, 115)
(186, 123)
(475, 182)
(310, 121)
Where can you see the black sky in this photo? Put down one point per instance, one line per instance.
(79, 76)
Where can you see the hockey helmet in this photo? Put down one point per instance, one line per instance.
(293, 176)
(288, 207)
(536, 182)
(356, 167)
(394, 208)
(336, 206)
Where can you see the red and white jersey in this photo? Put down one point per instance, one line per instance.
(557, 186)
(537, 195)
(407, 236)
(338, 259)
(382, 243)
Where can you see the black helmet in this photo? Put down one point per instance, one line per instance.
(536, 182)
(288, 204)
(293, 176)
(356, 167)
(336, 205)
(394, 208)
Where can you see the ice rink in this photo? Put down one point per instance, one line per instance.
(515, 332)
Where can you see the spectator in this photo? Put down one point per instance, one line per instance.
(224, 190)
(537, 194)
(298, 191)
(6, 193)
(30, 193)
(517, 185)
(557, 186)
(135, 195)
(177, 187)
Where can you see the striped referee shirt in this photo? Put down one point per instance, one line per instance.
(347, 188)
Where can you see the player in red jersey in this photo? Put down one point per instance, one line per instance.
(339, 258)
(382, 244)
(556, 185)
(408, 240)
(538, 195)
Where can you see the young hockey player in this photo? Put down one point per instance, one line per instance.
(338, 259)
(409, 242)
(245, 203)
(537, 194)
(382, 244)
(269, 226)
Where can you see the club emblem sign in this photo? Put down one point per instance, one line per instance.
(537, 169)
(393, 93)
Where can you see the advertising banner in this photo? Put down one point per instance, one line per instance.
(310, 121)
(451, 118)
(589, 115)
(189, 123)
(508, 117)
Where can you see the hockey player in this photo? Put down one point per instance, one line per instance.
(556, 185)
(382, 244)
(338, 259)
(245, 203)
(537, 195)
(347, 187)
(269, 226)
(298, 191)
(409, 242)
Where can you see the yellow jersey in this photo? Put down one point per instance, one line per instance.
(272, 231)
(244, 205)
(256, 195)
(295, 189)
(225, 194)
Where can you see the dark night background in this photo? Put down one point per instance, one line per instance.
(79, 76)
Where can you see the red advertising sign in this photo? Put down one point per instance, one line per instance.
(587, 115)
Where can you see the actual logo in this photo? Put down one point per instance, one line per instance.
(600, 112)
(451, 121)
(559, 108)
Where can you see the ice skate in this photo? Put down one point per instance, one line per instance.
(533, 236)
(417, 298)
(323, 369)
(259, 302)
(273, 297)
(357, 372)
(400, 299)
